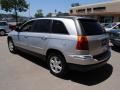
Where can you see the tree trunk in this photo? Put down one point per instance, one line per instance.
(16, 15)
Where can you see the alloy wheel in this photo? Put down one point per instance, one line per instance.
(55, 64)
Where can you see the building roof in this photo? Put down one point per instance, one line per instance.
(101, 3)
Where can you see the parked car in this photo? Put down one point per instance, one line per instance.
(4, 28)
(64, 42)
(115, 37)
(112, 26)
(12, 27)
(105, 24)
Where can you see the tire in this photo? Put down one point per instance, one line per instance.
(57, 64)
(2, 33)
(11, 46)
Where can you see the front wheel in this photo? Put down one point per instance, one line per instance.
(11, 46)
(57, 64)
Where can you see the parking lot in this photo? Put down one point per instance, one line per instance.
(25, 72)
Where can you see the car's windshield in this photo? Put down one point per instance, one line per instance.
(110, 25)
(3, 23)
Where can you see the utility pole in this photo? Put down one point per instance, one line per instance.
(29, 11)
(16, 15)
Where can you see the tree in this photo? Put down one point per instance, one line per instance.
(62, 14)
(16, 5)
(59, 13)
(49, 15)
(39, 13)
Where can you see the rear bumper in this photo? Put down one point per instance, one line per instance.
(85, 68)
(88, 61)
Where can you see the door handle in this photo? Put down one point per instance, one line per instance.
(44, 37)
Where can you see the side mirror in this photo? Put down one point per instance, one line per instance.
(17, 29)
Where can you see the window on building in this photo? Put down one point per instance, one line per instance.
(99, 8)
(71, 11)
(89, 10)
(81, 10)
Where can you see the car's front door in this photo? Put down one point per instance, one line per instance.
(24, 34)
(39, 36)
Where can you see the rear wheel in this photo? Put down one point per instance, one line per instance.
(11, 46)
(57, 64)
(2, 32)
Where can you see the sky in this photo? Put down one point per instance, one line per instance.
(51, 5)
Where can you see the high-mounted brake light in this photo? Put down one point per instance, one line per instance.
(82, 43)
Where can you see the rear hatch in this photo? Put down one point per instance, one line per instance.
(98, 40)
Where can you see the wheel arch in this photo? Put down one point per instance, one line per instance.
(3, 30)
(54, 51)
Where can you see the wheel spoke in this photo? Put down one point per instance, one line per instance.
(56, 69)
(58, 62)
(59, 67)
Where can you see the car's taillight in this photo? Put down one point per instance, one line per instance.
(82, 43)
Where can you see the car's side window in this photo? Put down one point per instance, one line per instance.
(58, 27)
(27, 27)
(42, 26)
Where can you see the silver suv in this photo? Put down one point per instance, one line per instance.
(4, 28)
(64, 42)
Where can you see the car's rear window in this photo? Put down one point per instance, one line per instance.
(91, 27)
(3, 23)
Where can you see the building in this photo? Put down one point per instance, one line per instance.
(11, 18)
(105, 12)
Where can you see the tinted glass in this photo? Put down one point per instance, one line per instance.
(42, 26)
(3, 23)
(91, 27)
(59, 28)
(27, 27)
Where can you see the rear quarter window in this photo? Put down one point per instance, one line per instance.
(58, 27)
(91, 27)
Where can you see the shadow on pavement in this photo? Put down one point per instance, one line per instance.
(33, 59)
(116, 49)
(91, 77)
(86, 78)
